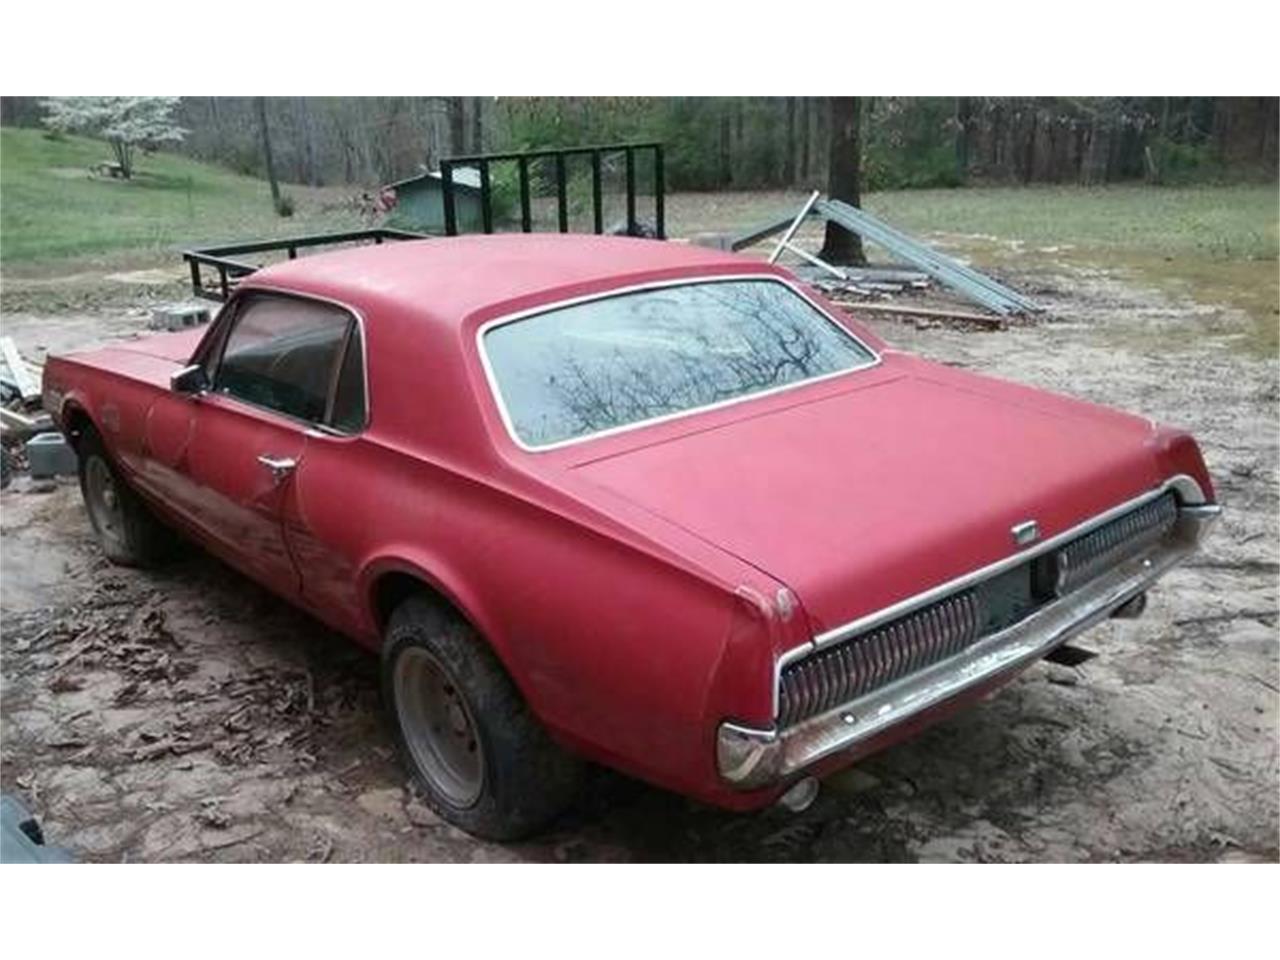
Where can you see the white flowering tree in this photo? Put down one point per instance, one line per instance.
(124, 122)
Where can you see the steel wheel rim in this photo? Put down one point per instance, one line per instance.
(438, 727)
(103, 498)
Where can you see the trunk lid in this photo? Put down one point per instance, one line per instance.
(902, 480)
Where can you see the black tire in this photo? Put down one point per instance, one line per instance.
(128, 532)
(525, 778)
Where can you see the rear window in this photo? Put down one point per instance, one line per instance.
(622, 360)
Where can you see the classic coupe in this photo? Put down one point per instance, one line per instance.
(624, 501)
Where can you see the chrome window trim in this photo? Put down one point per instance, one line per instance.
(496, 392)
(318, 430)
(1185, 486)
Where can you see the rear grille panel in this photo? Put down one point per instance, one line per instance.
(854, 667)
(1085, 557)
(849, 669)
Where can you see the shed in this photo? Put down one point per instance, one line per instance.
(420, 201)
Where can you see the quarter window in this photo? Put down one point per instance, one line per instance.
(297, 357)
(348, 399)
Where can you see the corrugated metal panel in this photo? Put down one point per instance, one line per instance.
(976, 286)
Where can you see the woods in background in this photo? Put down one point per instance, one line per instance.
(746, 143)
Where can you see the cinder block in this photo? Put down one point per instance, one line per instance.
(178, 316)
(50, 455)
(716, 241)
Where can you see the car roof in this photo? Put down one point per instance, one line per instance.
(450, 278)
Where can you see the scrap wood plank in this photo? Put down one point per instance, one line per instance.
(21, 425)
(21, 374)
(979, 319)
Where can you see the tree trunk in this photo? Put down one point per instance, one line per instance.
(822, 123)
(124, 157)
(457, 125)
(964, 122)
(266, 152)
(308, 124)
(844, 176)
(806, 128)
(1028, 150)
(789, 148)
(477, 125)
(739, 147)
(726, 147)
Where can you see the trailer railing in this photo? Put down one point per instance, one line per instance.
(230, 269)
(559, 158)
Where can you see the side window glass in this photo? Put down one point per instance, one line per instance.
(282, 354)
(349, 399)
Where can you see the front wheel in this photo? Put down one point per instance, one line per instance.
(483, 761)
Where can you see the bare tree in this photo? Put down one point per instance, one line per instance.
(477, 125)
(844, 176)
(806, 132)
(457, 124)
(726, 150)
(266, 154)
(964, 130)
(789, 154)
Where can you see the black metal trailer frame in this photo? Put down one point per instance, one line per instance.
(222, 258)
(482, 162)
(225, 257)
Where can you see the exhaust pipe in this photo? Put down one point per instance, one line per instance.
(800, 796)
(1131, 609)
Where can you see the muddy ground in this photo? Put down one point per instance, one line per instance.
(185, 714)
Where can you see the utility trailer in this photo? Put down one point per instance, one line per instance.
(216, 270)
(230, 269)
(632, 153)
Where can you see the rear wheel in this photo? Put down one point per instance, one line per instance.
(483, 761)
(127, 531)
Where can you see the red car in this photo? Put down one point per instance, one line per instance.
(633, 502)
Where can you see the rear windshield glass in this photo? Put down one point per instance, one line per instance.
(575, 371)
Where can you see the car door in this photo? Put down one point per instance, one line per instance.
(334, 498)
(270, 381)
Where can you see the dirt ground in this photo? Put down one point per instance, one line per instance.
(185, 714)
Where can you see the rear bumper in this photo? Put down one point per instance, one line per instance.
(750, 758)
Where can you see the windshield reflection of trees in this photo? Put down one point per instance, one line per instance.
(713, 342)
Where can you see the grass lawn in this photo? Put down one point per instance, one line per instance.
(1218, 244)
(1215, 244)
(1230, 222)
(51, 209)
(1220, 222)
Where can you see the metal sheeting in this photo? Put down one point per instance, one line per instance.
(976, 286)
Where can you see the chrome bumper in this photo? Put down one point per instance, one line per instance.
(749, 758)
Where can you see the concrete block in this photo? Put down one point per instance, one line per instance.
(716, 241)
(50, 455)
(178, 316)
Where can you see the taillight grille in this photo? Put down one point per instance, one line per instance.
(847, 670)
(880, 656)
(1085, 557)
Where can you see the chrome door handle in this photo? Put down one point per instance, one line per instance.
(280, 467)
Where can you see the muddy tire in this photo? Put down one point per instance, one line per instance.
(128, 532)
(483, 761)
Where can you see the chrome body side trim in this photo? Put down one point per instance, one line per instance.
(496, 391)
(749, 757)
